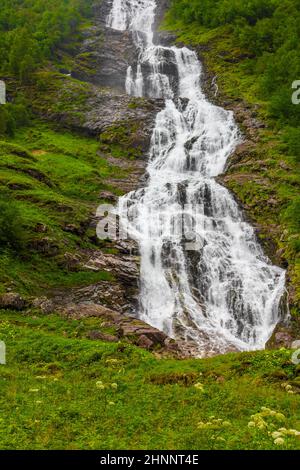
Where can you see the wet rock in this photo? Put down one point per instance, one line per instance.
(295, 344)
(124, 268)
(13, 301)
(283, 337)
(107, 196)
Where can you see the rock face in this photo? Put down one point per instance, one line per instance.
(285, 336)
(105, 53)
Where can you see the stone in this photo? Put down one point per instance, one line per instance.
(44, 304)
(12, 301)
(282, 337)
(46, 246)
(124, 268)
(107, 196)
(295, 344)
(40, 228)
(71, 228)
(145, 342)
(98, 335)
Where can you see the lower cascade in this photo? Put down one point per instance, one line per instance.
(204, 276)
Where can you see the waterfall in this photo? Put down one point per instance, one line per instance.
(212, 285)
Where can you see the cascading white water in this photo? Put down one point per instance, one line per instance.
(220, 291)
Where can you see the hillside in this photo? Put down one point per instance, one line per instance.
(81, 372)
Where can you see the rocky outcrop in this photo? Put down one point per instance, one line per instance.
(126, 329)
(12, 301)
(285, 335)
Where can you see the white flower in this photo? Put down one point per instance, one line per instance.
(284, 430)
(279, 441)
(100, 385)
(276, 434)
(226, 423)
(114, 385)
(199, 387)
(251, 424)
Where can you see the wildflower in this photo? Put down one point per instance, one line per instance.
(276, 434)
(279, 441)
(226, 423)
(100, 385)
(293, 432)
(290, 392)
(111, 403)
(280, 416)
(262, 425)
(114, 385)
(38, 402)
(199, 387)
(34, 390)
(41, 377)
(251, 424)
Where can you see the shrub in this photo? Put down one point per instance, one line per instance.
(10, 226)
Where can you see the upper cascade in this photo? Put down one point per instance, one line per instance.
(213, 286)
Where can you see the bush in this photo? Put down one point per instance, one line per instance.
(292, 139)
(11, 235)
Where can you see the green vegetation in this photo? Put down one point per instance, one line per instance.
(60, 390)
(268, 32)
(49, 180)
(30, 33)
(253, 49)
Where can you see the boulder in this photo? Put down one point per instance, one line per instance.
(44, 304)
(98, 335)
(12, 301)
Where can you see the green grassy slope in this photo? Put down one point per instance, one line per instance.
(60, 390)
(53, 179)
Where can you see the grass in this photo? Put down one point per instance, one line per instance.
(54, 179)
(58, 392)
